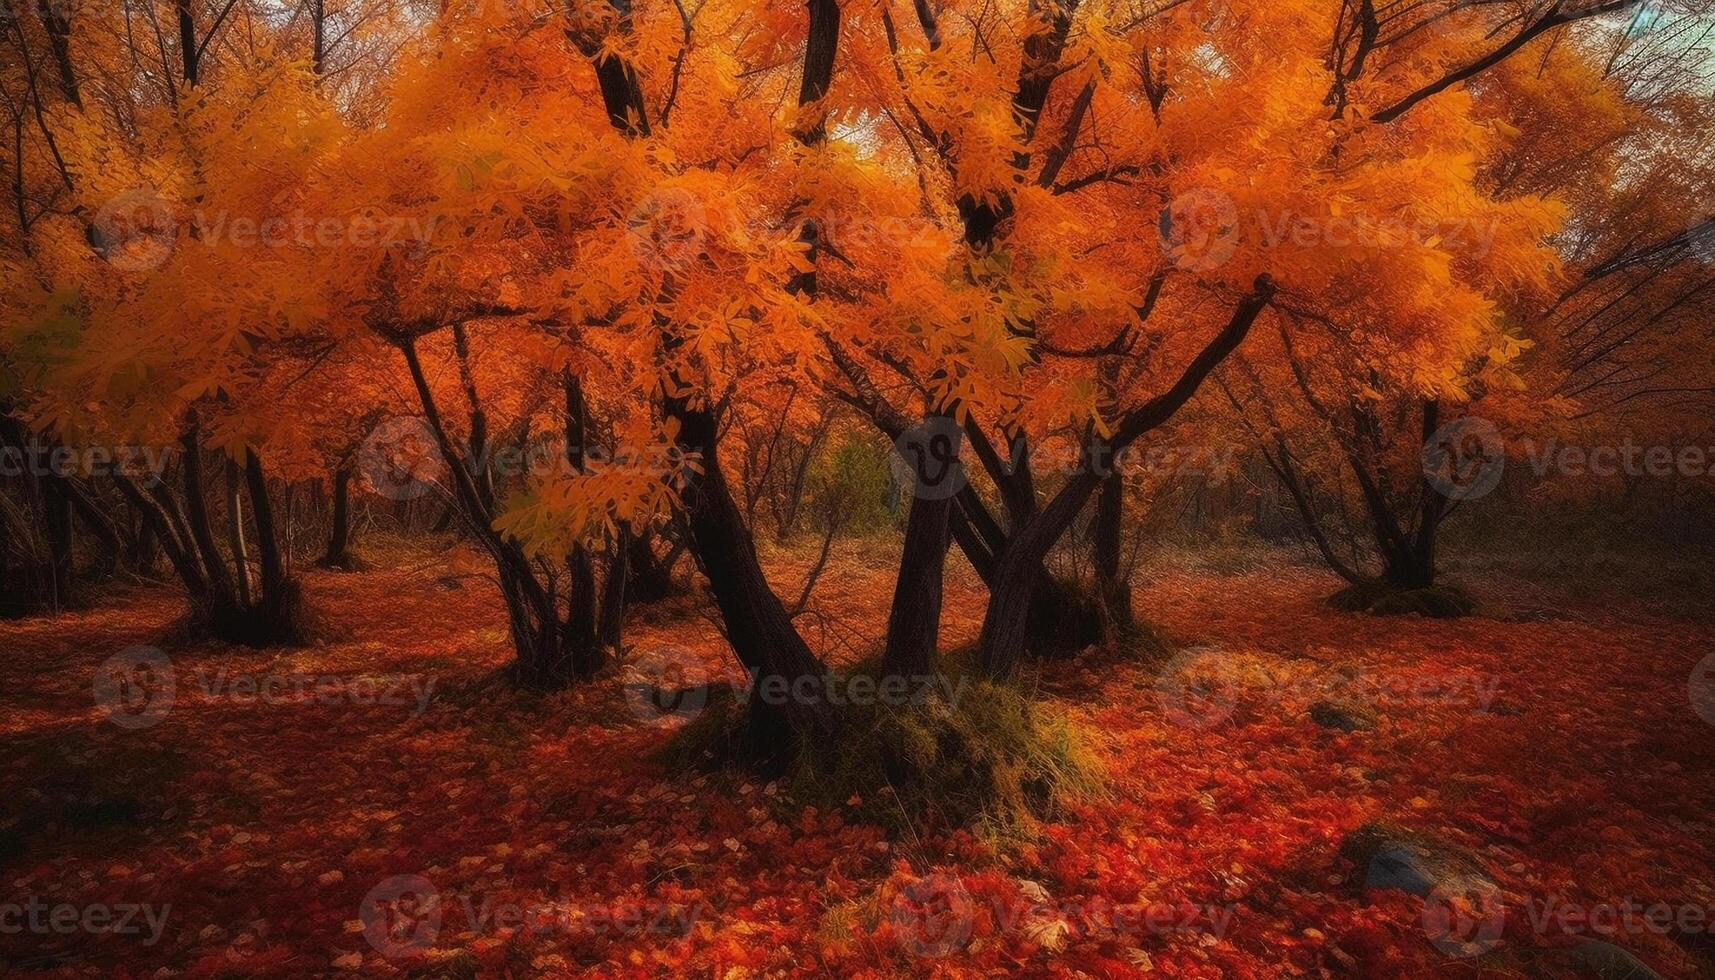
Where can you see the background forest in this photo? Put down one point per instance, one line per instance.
(737, 487)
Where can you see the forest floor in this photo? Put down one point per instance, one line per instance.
(255, 827)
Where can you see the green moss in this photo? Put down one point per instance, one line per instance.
(961, 752)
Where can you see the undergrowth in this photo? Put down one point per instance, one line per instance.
(957, 751)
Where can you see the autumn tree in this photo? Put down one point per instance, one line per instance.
(170, 288)
(1381, 445)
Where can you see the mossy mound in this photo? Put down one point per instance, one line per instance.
(989, 760)
(1382, 599)
(956, 751)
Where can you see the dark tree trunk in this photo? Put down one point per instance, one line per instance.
(157, 509)
(62, 541)
(613, 595)
(583, 605)
(267, 533)
(145, 547)
(220, 585)
(95, 519)
(25, 585)
(1433, 508)
(444, 523)
(915, 617)
(188, 53)
(1005, 632)
(235, 533)
(538, 635)
(1114, 590)
(57, 24)
(318, 50)
(758, 627)
(581, 616)
(649, 579)
(339, 537)
(276, 615)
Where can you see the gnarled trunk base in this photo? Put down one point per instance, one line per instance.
(1383, 598)
(279, 617)
(1065, 619)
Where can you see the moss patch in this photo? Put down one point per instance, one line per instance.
(959, 751)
